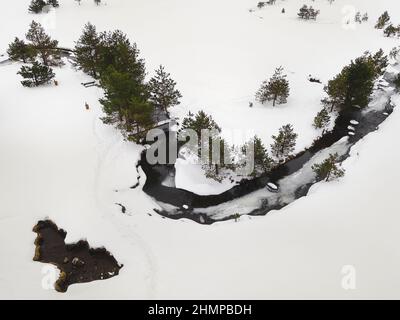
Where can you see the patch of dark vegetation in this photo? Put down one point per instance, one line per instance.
(78, 263)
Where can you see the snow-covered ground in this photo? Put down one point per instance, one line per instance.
(59, 161)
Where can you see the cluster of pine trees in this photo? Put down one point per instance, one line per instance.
(389, 29)
(230, 158)
(41, 51)
(219, 157)
(307, 13)
(359, 18)
(261, 5)
(129, 101)
(352, 87)
(37, 6)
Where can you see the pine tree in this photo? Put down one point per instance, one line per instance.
(163, 93)
(125, 102)
(360, 83)
(44, 45)
(383, 20)
(391, 30)
(87, 50)
(336, 90)
(36, 75)
(322, 120)
(303, 12)
(357, 17)
(20, 51)
(307, 13)
(284, 144)
(379, 60)
(354, 85)
(36, 6)
(263, 163)
(199, 122)
(328, 169)
(276, 89)
(117, 51)
(53, 3)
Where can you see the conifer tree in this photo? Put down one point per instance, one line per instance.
(263, 163)
(391, 30)
(36, 6)
(360, 83)
(284, 144)
(36, 75)
(383, 20)
(379, 60)
(275, 89)
(328, 169)
(322, 120)
(53, 3)
(116, 50)
(199, 122)
(353, 86)
(20, 51)
(125, 103)
(163, 92)
(87, 50)
(44, 45)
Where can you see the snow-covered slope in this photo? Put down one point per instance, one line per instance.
(59, 161)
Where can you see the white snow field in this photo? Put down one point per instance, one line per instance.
(59, 161)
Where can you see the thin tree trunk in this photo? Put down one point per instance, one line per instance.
(328, 176)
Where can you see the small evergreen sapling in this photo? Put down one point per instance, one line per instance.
(275, 89)
(36, 75)
(329, 169)
(284, 143)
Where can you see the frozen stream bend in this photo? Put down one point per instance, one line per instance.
(294, 178)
